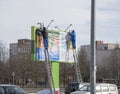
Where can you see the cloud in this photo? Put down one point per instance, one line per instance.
(17, 17)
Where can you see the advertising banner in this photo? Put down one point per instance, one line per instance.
(59, 48)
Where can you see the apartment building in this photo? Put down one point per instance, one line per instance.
(103, 50)
(3, 52)
(23, 46)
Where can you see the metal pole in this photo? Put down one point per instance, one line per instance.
(58, 28)
(67, 27)
(13, 74)
(39, 24)
(93, 50)
(50, 23)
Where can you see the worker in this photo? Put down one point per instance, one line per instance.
(38, 40)
(45, 37)
(73, 39)
(38, 32)
(68, 40)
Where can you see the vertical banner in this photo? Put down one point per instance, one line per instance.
(54, 45)
(33, 47)
(55, 72)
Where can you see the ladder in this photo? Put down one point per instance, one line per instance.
(77, 69)
(49, 71)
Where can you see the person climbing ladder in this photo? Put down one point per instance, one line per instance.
(45, 37)
(73, 39)
(77, 69)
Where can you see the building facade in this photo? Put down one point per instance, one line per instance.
(22, 47)
(103, 50)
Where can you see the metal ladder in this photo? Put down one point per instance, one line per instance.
(77, 69)
(49, 71)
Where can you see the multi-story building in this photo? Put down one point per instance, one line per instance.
(13, 49)
(0, 53)
(103, 50)
(3, 52)
(20, 49)
(24, 46)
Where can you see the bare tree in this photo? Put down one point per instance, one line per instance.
(3, 60)
(110, 66)
(84, 64)
(3, 52)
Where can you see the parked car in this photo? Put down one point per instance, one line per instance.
(118, 89)
(73, 86)
(47, 91)
(101, 88)
(11, 89)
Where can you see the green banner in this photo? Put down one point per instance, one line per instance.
(55, 72)
(33, 47)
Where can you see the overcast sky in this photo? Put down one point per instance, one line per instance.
(17, 17)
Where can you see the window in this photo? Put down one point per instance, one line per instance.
(98, 89)
(105, 48)
(85, 88)
(14, 90)
(1, 90)
(112, 88)
(105, 88)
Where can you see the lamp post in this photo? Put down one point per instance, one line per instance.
(67, 27)
(58, 28)
(93, 50)
(13, 75)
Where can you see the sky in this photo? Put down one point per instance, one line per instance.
(17, 17)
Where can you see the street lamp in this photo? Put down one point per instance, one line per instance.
(13, 75)
(93, 50)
